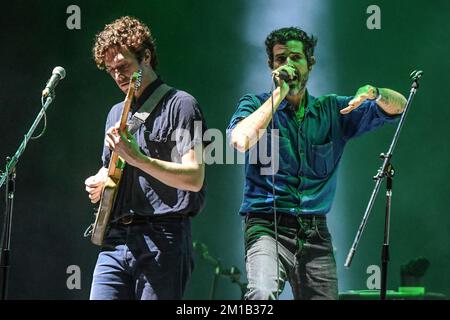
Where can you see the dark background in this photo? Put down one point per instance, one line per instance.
(214, 50)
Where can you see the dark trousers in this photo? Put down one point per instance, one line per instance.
(305, 256)
(146, 261)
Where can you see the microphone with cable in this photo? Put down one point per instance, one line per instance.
(58, 73)
(285, 76)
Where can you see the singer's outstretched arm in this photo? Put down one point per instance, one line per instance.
(389, 100)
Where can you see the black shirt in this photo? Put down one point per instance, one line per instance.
(160, 137)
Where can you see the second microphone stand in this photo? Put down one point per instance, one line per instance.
(386, 171)
(233, 273)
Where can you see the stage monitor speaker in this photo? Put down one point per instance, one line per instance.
(403, 293)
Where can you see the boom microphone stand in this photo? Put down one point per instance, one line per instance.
(386, 171)
(10, 177)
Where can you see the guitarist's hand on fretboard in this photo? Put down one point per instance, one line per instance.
(124, 144)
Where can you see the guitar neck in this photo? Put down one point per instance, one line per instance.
(126, 109)
(116, 163)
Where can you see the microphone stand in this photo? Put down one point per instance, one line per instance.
(10, 177)
(233, 273)
(386, 171)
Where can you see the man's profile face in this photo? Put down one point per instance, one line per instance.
(121, 64)
(292, 53)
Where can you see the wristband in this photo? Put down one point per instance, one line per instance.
(378, 97)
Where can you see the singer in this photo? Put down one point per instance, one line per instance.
(312, 133)
(147, 253)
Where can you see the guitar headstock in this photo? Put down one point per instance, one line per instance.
(135, 83)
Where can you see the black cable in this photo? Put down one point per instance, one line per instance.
(45, 123)
(273, 193)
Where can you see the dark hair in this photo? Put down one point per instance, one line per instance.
(283, 35)
(125, 32)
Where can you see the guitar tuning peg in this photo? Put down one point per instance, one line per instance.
(138, 79)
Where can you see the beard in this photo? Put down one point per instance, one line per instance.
(295, 88)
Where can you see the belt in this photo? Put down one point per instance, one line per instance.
(289, 219)
(138, 219)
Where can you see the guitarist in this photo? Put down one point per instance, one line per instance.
(147, 250)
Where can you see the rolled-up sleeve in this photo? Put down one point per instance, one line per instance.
(246, 106)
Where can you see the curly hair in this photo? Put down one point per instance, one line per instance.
(126, 32)
(283, 35)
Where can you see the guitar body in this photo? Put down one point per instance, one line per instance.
(115, 169)
(103, 215)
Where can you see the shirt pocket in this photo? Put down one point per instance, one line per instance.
(322, 159)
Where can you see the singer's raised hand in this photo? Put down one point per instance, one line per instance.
(281, 80)
(290, 70)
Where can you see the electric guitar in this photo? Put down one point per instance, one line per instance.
(115, 169)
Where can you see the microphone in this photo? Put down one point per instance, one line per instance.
(284, 75)
(57, 74)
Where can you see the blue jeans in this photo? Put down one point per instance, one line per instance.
(305, 256)
(146, 261)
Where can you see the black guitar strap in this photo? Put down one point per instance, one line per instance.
(142, 114)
